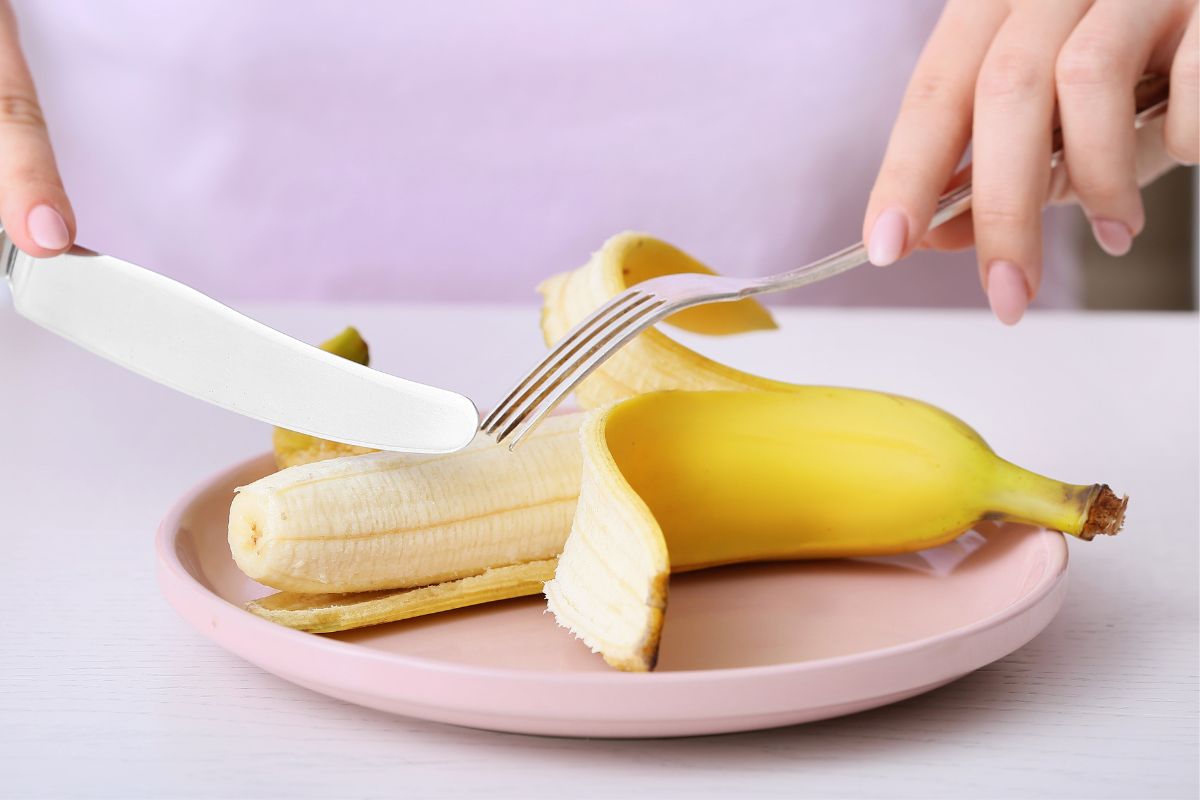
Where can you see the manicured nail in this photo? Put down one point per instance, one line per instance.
(1007, 292)
(47, 228)
(888, 237)
(1114, 237)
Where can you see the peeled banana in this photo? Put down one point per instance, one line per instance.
(397, 520)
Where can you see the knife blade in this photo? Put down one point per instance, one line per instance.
(179, 337)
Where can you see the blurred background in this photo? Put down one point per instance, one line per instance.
(464, 151)
(1155, 274)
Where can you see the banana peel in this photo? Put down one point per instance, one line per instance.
(293, 448)
(679, 481)
(759, 469)
(652, 361)
(329, 613)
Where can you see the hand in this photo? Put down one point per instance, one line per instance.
(996, 73)
(34, 208)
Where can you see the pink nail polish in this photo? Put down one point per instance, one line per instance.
(47, 229)
(1114, 237)
(1007, 291)
(888, 237)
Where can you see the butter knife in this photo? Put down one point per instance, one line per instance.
(175, 335)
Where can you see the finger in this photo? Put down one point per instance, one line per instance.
(1183, 114)
(33, 205)
(1151, 161)
(1014, 110)
(951, 237)
(931, 131)
(1095, 76)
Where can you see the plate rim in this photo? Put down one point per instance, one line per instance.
(170, 568)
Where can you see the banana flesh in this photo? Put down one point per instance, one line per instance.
(397, 520)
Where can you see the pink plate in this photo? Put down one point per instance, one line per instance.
(743, 647)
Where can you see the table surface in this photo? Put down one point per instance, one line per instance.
(106, 693)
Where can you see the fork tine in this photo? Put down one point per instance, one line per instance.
(576, 338)
(575, 371)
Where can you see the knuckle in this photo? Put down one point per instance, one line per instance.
(1185, 72)
(1102, 189)
(1001, 215)
(901, 173)
(932, 90)
(1182, 147)
(1008, 75)
(1086, 61)
(32, 178)
(24, 173)
(20, 109)
(1181, 139)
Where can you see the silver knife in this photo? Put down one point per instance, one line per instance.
(179, 337)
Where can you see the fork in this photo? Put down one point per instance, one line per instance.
(586, 346)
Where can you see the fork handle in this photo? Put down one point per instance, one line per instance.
(1151, 95)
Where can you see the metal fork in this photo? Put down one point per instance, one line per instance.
(605, 330)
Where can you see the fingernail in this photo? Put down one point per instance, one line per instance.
(888, 237)
(47, 228)
(1007, 292)
(1114, 237)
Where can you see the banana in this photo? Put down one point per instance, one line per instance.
(292, 448)
(396, 520)
(765, 470)
(677, 481)
(325, 558)
(728, 467)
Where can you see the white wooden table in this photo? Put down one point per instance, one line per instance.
(105, 693)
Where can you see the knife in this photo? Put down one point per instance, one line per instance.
(181, 338)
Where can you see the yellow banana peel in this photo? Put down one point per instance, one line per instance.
(293, 448)
(652, 361)
(676, 481)
(764, 470)
(329, 613)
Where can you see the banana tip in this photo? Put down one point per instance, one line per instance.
(1106, 514)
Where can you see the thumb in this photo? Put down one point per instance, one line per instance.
(34, 208)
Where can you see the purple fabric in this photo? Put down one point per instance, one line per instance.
(465, 150)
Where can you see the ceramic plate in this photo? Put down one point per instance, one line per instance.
(743, 647)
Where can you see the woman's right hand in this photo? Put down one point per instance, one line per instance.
(34, 208)
(995, 74)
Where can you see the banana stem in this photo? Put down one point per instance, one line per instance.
(1080, 510)
(1106, 513)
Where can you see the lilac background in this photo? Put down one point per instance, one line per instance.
(465, 150)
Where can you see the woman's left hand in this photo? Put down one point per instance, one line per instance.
(994, 74)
